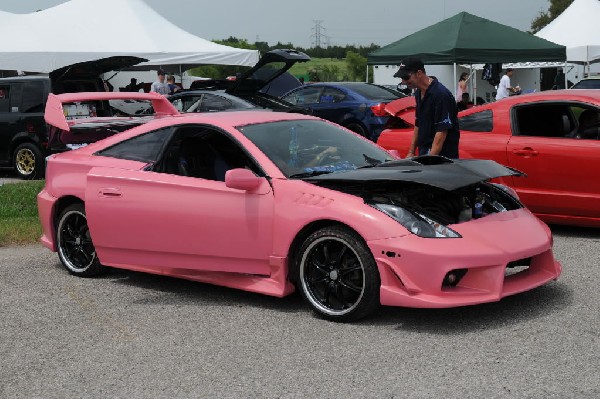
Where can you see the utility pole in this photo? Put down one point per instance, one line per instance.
(319, 38)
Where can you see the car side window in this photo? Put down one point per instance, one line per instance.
(544, 120)
(331, 95)
(145, 148)
(211, 102)
(204, 152)
(5, 98)
(588, 123)
(478, 122)
(307, 95)
(187, 103)
(32, 97)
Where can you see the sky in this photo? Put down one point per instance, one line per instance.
(333, 22)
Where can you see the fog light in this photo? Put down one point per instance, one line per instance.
(453, 277)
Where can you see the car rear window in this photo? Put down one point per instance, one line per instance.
(587, 84)
(477, 122)
(374, 92)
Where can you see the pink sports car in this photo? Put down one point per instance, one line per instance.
(269, 202)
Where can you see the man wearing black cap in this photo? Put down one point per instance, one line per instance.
(160, 86)
(436, 124)
(504, 87)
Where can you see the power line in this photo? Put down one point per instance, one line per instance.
(320, 38)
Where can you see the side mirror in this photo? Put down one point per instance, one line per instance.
(242, 179)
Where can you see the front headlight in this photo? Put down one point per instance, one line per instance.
(417, 224)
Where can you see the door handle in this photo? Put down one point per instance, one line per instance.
(109, 192)
(526, 152)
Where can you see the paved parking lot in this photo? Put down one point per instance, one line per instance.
(142, 336)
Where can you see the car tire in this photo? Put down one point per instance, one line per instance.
(357, 128)
(337, 275)
(74, 243)
(28, 161)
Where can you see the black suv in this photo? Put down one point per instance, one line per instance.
(23, 134)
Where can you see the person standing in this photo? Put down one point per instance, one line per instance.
(160, 86)
(462, 86)
(436, 126)
(504, 87)
(559, 80)
(173, 88)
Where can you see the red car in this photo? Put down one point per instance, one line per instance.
(551, 136)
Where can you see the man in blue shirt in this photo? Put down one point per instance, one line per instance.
(436, 127)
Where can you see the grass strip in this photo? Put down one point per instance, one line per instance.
(19, 223)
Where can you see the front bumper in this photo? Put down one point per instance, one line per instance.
(413, 269)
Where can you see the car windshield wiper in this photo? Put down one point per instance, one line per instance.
(373, 163)
(310, 174)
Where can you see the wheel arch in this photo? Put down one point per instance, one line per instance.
(353, 121)
(23, 137)
(60, 205)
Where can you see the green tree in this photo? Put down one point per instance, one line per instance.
(356, 65)
(544, 18)
(222, 71)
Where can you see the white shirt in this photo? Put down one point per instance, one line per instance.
(503, 88)
(162, 88)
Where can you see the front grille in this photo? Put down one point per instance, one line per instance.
(517, 266)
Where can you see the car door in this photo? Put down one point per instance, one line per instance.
(334, 105)
(561, 168)
(158, 220)
(10, 95)
(484, 134)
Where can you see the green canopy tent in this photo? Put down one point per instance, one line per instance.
(468, 39)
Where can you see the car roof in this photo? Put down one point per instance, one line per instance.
(583, 95)
(220, 119)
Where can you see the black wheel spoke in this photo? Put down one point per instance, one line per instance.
(317, 280)
(327, 295)
(344, 272)
(341, 254)
(350, 286)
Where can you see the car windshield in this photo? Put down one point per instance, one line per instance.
(302, 148)
(587, 84)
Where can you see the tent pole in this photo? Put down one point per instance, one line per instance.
(455, 84)
(367, 81)
(474, 99)
(565, 73)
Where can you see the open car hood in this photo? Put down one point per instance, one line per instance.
(403, 108)
(270, 66)
(95, 68)
(434, 171)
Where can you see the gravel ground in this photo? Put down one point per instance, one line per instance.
(133, 335)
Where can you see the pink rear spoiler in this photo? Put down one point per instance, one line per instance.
(55, 116)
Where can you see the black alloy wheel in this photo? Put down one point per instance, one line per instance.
(338, 275)
(75, 248)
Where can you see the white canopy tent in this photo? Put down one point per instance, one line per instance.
(577, 28)
(86, 30)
